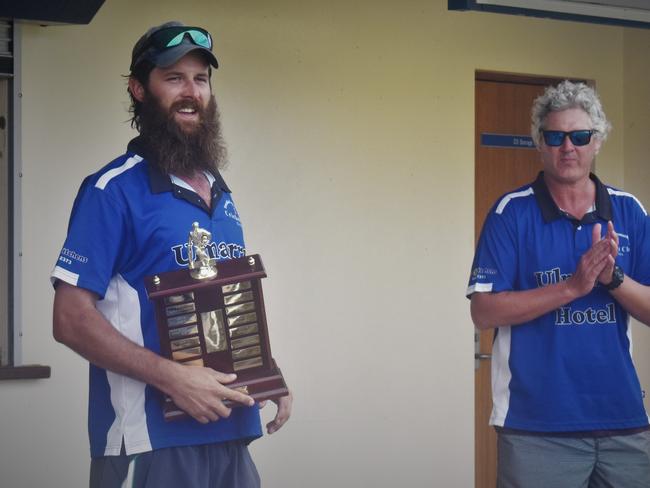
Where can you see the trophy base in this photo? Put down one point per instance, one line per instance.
(268, 387)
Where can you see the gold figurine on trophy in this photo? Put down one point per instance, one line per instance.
(203, 266)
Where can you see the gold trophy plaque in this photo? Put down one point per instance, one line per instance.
(213, 315)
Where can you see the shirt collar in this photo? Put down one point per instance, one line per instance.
(159, 181)
(550, 211)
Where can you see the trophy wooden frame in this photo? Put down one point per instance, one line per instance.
(218, 322)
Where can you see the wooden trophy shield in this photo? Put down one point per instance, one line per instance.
(216, 318)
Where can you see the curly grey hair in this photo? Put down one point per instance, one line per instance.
(564, 96)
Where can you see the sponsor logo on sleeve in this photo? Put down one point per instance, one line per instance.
(67, 256)
(481, 273)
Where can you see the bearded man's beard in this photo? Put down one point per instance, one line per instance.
(178, 150)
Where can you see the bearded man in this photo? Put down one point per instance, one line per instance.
(131, 220)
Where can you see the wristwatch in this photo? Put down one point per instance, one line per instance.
(617, 278)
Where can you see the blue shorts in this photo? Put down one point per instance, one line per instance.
(227, 464)
(529, 461)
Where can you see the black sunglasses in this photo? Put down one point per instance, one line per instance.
(556, 138)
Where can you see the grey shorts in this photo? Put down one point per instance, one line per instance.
(526, 461)
(228, 464)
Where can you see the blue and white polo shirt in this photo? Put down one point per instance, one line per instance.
(128, 221)
(569, 370)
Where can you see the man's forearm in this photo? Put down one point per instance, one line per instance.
(517, 307)
(81, 327)
(196, 390)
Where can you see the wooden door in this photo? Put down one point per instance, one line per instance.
(505, 158)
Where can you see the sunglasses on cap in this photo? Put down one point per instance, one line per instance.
(169, 37)
(556, 138)
(173, 36)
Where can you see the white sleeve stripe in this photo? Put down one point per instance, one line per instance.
(618, 193)
(479, 287)
(109, 175)
(506, 199)
(64, 275)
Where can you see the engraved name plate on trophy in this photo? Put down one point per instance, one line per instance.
(213, 315)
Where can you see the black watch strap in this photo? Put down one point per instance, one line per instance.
(617, 278)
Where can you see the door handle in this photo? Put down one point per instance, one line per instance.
(478, 355)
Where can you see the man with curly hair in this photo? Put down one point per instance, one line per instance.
(561, 265)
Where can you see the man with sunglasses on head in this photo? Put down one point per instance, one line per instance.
(130, 220)
(561, 265)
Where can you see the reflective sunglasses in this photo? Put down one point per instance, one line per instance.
(556, 138)
(173, 36)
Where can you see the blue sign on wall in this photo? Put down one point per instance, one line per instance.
(507, 140)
